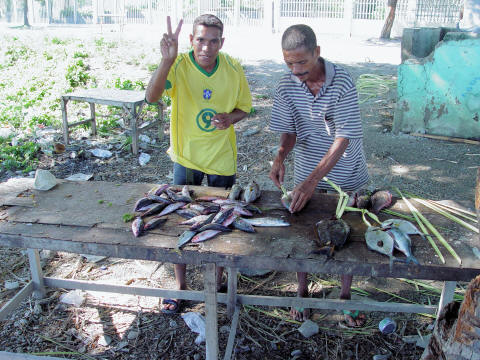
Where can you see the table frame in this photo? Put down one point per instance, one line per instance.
(132, 102)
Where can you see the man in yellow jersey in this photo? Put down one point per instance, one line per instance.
(209, 94)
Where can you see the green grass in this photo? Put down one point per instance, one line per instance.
(22, 156)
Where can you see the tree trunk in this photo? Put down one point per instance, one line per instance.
(25, 13)
(387, 27)
(457, 332)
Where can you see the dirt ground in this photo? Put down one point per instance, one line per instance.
(109, 326)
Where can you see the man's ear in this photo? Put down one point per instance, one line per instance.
(317, 51)
(191, 39)
(221, 42)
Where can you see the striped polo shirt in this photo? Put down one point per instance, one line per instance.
(317, 121)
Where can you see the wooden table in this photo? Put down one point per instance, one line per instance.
(130, 101)
(70, 218)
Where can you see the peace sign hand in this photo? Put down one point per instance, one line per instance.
(169, 42)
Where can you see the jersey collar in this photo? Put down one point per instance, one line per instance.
(202, 70)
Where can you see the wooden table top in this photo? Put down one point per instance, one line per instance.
(86, 217)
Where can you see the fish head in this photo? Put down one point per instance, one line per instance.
(379, 240)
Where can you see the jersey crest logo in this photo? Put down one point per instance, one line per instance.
(207, 94)
(204, 120)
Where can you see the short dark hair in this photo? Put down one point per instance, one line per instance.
(208, 20)
(297, 36)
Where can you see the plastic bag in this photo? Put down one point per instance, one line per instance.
(196, 322)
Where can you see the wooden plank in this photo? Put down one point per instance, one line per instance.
(231, 335)
(93, 119)
(211, 325)
(79, 123)
(11, 192)
(5, 355)
(232, 291)
(447, 138)
(64, 102)
(113, 97)
(16, 300)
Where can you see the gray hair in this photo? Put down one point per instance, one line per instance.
(208, 20)
(297, 36)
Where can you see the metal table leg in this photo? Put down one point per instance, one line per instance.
(448, 291)
(37, 275)
(232, 291)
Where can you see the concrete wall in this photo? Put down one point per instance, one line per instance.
(440, 94)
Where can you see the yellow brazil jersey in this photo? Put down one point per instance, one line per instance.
(196, 96)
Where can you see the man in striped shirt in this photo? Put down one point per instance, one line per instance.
(316, 111)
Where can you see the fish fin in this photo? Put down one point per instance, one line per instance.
(412, 259)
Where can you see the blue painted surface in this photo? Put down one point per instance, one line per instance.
(440, 94)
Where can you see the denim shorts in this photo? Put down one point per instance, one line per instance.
(186, 176)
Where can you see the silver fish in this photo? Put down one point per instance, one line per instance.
(403, 225)
(137, 226)
(205, 235)
(186, 193)
(240, 224)
(185, 237)
(235, 192)
(267, 221)
(251, 192)
(403, 243)
(187, 213)
(194, 220)
(214, 226)
(222, 215)
(229, 220)
(378, 240)
(142, 202)
(158, 190)
(158, 198)
(171, 208)
(154, 223)
(155, 209)
(199, 224)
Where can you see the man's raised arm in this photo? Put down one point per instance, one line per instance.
(169, 50)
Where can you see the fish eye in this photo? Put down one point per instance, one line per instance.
(380, 243)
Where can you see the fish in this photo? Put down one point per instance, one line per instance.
(214, 226)
(378, 240)
(209, 198)
(154, 223)
(178, 197)
(158, 190)
(187, 213)
(403, 243)
(185, 237)
(158, 199)
(186, 193)
(229, 220)
(171, 208)
(403, 225)
(235, 191)
(205, 235)
(146, 207)
(199, 224)
(267, 221)
(155, 209)
(195, 219)
(362, 198)
(142, 202)
(195, 206)
(240, 224)
(251, 192)
(239, 210)
(331, 234)
(286, 200)
(380, 199)
(222, 215)
(137, 226)
(213, 208)
(253, 209)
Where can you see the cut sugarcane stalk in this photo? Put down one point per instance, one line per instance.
(447, 215)
(420, 218)
(453, 210)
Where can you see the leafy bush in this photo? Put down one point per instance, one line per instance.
(20, 157)
(129, 84)
(77, 74)
(58, 41)
(79, 54)
(15, 53)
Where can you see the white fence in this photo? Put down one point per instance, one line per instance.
(354, 17)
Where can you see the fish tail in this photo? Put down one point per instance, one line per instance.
(412, 259)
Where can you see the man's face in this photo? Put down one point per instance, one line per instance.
(301, 61)
(206, 42)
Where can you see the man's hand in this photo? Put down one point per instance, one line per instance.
(222, 121)
(169, 42)
(301, 194)
(278, 172)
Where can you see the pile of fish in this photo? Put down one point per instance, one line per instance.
(393, 234)
(206, 216)
(373, 201)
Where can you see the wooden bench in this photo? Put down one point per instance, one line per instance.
(130, 101)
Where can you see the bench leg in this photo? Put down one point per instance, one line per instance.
(232, 291)
(133, 125)
(65, 120)
(37, 275)
(93, 119)
(211, 328)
